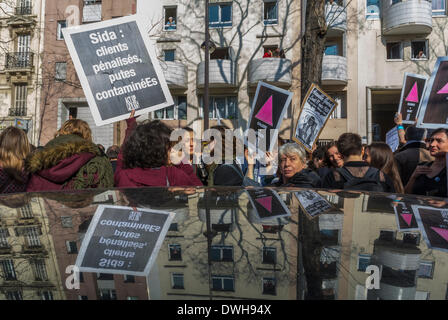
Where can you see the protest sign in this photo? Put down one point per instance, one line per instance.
(411, 96)
(118, 69)
(405, 217)
(433, 112)
(313, 204)
(433, 223)
(267, 113)
(123, 240)
(316, 109)
(267, 203)
(392, 139)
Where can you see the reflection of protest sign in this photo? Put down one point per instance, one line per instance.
(268, 110)
(117, 68)
(433, 112)
(267, 203)
(392, 139)
(411, 96)
(433, 223)
(313, 203)
(316, 109)
(121, 240)
(405, 217)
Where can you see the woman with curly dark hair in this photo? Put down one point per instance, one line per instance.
(144, 159)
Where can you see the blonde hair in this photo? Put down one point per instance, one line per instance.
(77, 127)
(14, 148)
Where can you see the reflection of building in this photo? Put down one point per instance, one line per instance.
(28, 264)
(247, 260)
(20, 75)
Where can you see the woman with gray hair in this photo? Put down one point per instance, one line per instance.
(293, 168)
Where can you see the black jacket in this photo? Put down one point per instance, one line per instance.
(303, 179)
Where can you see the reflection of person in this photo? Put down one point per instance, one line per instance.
(170, 24)
(268, 54)
(307, 132)
(421, 55)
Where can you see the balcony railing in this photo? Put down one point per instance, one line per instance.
(17, 112)
(23, 10)
(19, 60)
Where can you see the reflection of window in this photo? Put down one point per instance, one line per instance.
(386, 235)
(270, 12)
(222, 227)
(394, 50)
(340, 112)
(331, 50)
(411, 238)
(176, 112)
(8, 270)
(71, 247)
(4, 233)
(269, 286)
(220, 54)
(419, 50)
(220, 15)
(177, 280)
(406, 277)
(175, 252)
(395, 1)
(372, 9)
(46, 295)
(173, 227)
(129, 279)
(272, 229)
(61, 25)
(108, 294)
(363, 262)
(169, 55)
(269, 255)
(83, 298)
(60, 71)
(67, 221)
(438, 7)
(330, 236)
(223, 283)
(170, 18)
(40, 270)
(222, 107)
(14, 295)
(105, 276)
(426, 269)
(222, 253)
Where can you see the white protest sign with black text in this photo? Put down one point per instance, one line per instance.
(392, 139)
(316, 110)
(118, 69)
(267, 113)
(313, 203)
(411, 96)
(433, 113)
(123, 240)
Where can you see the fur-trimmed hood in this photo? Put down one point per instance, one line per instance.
(58, 149)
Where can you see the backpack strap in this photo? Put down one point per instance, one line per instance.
(372, 173)
(345, 173)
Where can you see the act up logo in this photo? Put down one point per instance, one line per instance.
(411, 96)
(267, 204)
(265, 113)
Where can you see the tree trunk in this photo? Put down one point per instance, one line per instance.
(313, 44)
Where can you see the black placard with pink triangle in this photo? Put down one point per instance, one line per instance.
(405, 217)
(433, 223)
(267, 203)
(411, 96)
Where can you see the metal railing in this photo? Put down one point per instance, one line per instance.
(19, 60)
(23, 10)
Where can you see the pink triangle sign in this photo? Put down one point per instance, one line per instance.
(442, 232)
(444, 90)
(266, 202)
(413, 94)
(407, 217)
(265, 113)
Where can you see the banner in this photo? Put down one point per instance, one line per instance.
(123, 240)
(433, 112)
(267, 113)
(118, 69)
(411, 96)
(392, 139)
(316, 109)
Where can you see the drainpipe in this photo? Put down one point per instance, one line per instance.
(39, 70)
(369, 115)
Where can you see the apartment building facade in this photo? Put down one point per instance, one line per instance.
(21, 31)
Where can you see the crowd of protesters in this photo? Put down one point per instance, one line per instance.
(72, 161)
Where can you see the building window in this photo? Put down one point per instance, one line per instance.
(270, 15)
(387, 235)
(108, 294)
(220, 54)
(220, 15)
(173, 227)
(60, 71)
(175, 252)
(394, 51)
(23, 7)
(67, 222)
(426, 269)
(72, 247)
(170, 18)
(61, 25)
(222, 253)
(83, 298)
(269, 286)
(26, 212)
(20, 97)
(14, 295)
(223, 283)
(8, 270)
(105, 276)
(176, 112)
(91, 11)
(4, 234)
(419, 50)
(340, 112)
(169, 55)
(411, 238)
(32, 237)
(222, 107)
(129, 278)
(438, 7)
(363, 262)
(394, 1)
(40, 270)
(177, 281)
(331, 50)
(46, 295)
(132, 298)
(372, 9)
(330, 237)
(269, 255)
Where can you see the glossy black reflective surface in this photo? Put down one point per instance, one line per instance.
(218, 247)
